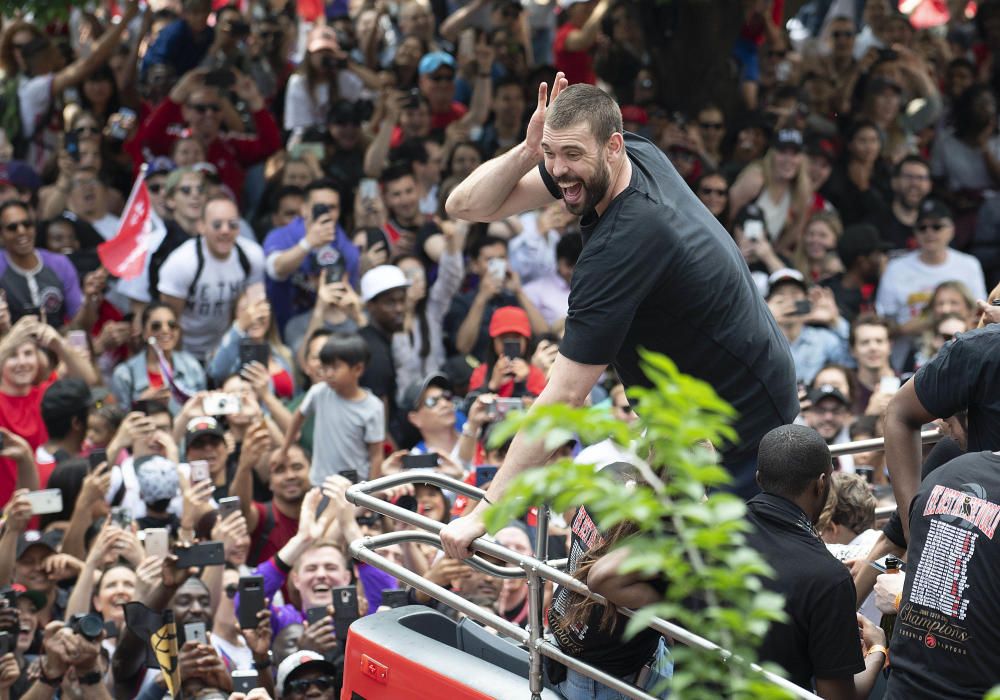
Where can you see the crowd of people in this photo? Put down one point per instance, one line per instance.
(308, 313)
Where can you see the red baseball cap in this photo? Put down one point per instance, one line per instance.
(510, 319)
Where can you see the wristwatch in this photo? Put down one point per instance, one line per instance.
(265, 663)
(92, 678)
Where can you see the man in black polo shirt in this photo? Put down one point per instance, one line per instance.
(657, 271)
(964, 376)
(819, 641)
(383, 290)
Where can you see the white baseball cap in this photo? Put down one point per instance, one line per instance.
(381, 279)
(566, 4)
(297, 661)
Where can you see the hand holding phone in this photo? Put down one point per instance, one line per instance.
(251, 590)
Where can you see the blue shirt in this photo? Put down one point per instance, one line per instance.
(177, 46)
(814, 349)
(296, 294)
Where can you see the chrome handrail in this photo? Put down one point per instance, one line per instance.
(534, 569)
(878, 444)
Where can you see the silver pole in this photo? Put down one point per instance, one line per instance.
(878, 444)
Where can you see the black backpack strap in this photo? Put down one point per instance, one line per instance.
(258, 546)
(244, 260)
(199, 266)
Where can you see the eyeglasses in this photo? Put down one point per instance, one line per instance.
(231, 590)
(712, 125)
(432, 401)
(706, 191)
(929, 227)
(441, 78)
(15, 226)
(842, 34)
(192, 189)
(157, 326)
(202, 108)
(86, 130)
(154, 187)
(302, 685)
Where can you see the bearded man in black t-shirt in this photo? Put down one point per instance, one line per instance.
(657, 271)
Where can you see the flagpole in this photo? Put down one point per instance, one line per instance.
(135, 186)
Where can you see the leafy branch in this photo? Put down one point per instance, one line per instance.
(692, 540)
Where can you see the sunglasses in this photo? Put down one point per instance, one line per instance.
(842, 35)
(929, 227)
(441, 78)
(155, 187)
(231, 590)
(86, 130)
(302, 685)
(711, 125)
(706, 191)
(157, 326)
(432, 401)
(192, 189)
(203, 108)
(15, 226)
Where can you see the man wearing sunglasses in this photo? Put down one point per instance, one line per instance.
(306, 674)
(430, 408)
(910, 279)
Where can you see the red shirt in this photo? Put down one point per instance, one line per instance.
(284, 529)
(22, 415)
(577, 65)
(229, 153)
(534, 384)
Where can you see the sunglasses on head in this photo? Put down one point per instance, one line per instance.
(201, 108)
(432, 401)
(302, 685)
(15, 226)
(157, 326)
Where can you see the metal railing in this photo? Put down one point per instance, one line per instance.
(535, 570)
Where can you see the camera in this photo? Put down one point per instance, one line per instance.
(87, 625)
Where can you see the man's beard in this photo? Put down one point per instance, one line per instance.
(595, 188)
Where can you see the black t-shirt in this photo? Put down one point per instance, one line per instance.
(893, 231)
(943, 452)
(659, 272)
(966, 374)
(820, 638)
(945, 640)
(588, 642)
(380, 374)
(851, 302)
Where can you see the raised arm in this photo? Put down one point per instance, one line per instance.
(903, 420)
(509, 184)
(76, 72)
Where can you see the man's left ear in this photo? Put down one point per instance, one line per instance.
(616, 145)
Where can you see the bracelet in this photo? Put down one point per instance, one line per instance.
(470, 433)
(304, 245)
(51, 682)
(899, 599)
(875, 648)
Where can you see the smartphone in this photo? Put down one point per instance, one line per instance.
(368, 189)
(317, 149)
(395, 598)
(221, 78)
(201, 554)
(252, 351)
(867, 472)
(156, 540)
(427, 461)
(195, 632)
(72, 144)
(334, 272)
(753, 230)
(251, 590)
(78, 339)
(46, 501)
(497, 267)
(199, 471)
(351, 475)
(889, 385)
(504, 405)
(803, 307)
(7, 643)
(374, 237)
(119, 132)
(319, 210)
(315, 615)
(244, 681)
(485, 474)
(345, 610)
(406, 503)
(121, 517)
(467, 44)
(228, 506)
(222, 404)
(97, 457)
(30, 310)
(512, 349)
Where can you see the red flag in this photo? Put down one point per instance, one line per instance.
(124, 256)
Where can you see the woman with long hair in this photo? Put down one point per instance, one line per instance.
(142, 376)
(859, 185)
(99, 95)
(321, 81)
(712, 189)
(779, 184)
(816, 254)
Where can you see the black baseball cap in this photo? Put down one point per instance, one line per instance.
(50, 540)
(789, 138)
(827, 391)
(751, 212)
(859, 240)
(412, 393)
(933, 209)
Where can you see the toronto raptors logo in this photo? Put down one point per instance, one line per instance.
(930, 640)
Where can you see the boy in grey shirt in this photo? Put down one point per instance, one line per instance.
(350, 420)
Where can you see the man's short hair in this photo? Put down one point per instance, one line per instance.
(909, 160)
(218, 197)
(286, 191)
(320, 544)
(64, 400)
(396, 171)
(586, 103)
(569, 248)
(324, 183)
(350, 348)
(855, 507)
(476, 247)
(790, 458)
(868, 320)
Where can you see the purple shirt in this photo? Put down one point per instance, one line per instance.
(55, 288)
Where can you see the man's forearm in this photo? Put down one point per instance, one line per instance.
(465, 339)
(483, 192)
(377, 155)
(288, 261)
(902, 455)
(27, 475)
(865, 681)
(77, 366)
